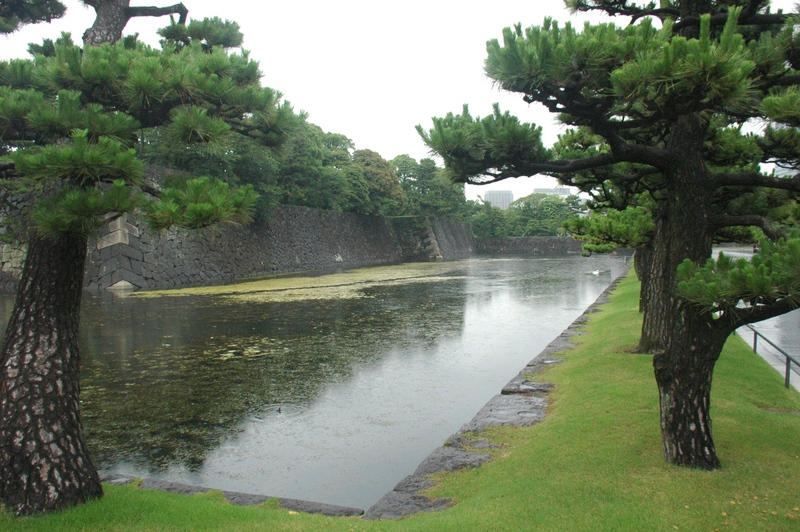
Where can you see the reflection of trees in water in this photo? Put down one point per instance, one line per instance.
(166, 380)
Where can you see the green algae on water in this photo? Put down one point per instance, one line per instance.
(351, 284)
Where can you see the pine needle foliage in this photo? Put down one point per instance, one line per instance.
(202, 202)
(17, 13)
(605, 231)
(726, 284)
(71, 118)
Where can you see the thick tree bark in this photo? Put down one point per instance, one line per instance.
(683, 374)
(657, 292)
(113, 16)
(44, 463)
(685, 343)
(642, 262)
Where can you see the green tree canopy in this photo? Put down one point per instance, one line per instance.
(427, 190)
(608, 230)
(385, 194)
(489, 221)
(542, 214)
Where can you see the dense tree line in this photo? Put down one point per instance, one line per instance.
(309, 168)
(532, 215)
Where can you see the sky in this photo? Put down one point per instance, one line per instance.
(369, 70)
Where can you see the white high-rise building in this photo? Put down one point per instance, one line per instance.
(499, 198)
(558, 191)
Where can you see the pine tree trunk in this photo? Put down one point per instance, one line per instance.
(683, 374)
(112, 16)
(44, 463)
(642, 262)
(657, 293)
(686, 344)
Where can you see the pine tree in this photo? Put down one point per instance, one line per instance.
(657, 107)
(69, 125)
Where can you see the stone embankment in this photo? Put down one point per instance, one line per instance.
(128, 255)
(527, 245)
(521, 402)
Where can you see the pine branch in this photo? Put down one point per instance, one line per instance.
(631, 153)
(720, 19)
(611, 7)
(152, 11)
(526, 169)
(151, 190)
(784, 81)
(754, 179)
(738, 317)
(661, 14)
(747, 220)
(751, 9)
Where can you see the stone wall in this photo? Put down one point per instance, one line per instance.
(527, 245)
(128, 255)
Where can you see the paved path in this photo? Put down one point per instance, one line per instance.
(773, 357)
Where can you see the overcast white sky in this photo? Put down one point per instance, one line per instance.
(369, 70)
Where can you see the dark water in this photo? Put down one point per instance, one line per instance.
(333, 399)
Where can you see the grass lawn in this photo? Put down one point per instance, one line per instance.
(594, 464)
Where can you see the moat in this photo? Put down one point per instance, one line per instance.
(328, 388)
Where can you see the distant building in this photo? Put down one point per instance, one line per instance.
(558, 191)
(499, 198)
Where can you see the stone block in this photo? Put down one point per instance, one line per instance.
(111, 239)
(130, 251)
(105, 281)
(122, 224)
(121, 285)
(109, 266)
(125, 275)
(106, 253)
(124, 262)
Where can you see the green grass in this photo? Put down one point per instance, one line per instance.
(594, 464)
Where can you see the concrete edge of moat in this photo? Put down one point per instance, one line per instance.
(520, 403)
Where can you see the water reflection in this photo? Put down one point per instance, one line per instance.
(185, 372)
(333, 399)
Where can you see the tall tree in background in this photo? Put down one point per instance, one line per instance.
(68, 123)
(427, 190)
(385, 195)
(664, 103)
(489, 221)
(542, 214)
